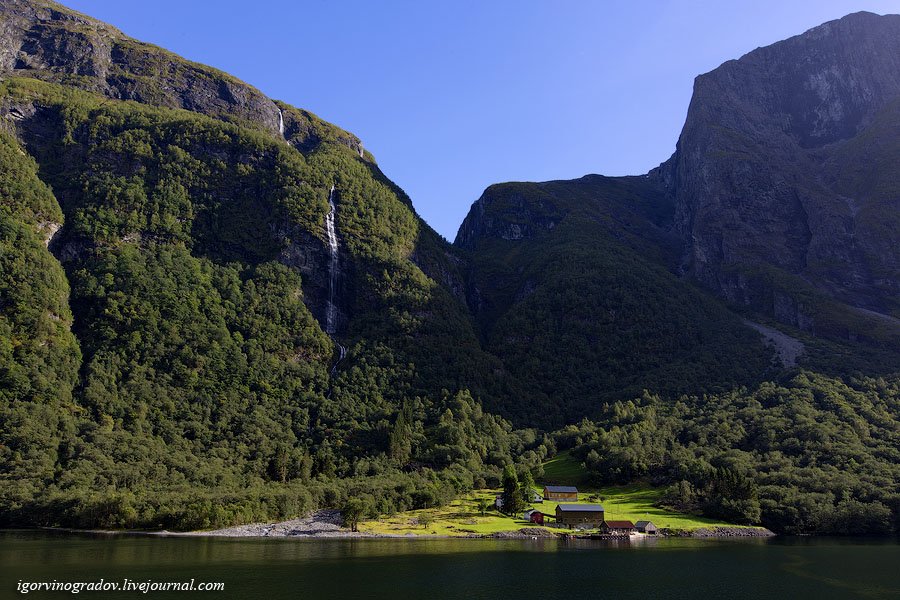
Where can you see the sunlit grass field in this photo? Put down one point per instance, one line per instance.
(463, 518)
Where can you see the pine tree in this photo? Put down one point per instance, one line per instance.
(512, 495)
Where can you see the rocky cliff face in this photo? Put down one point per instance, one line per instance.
(782, 197)
(44, 40)
(774, 165)
(509, 212)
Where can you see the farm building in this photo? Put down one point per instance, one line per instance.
(646, 527)
(579, 516)
(534, 516)
(617, 527)
(561, 493)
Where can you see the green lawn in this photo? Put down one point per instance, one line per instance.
(635, 503)
(564, 469)
(629, 502)
(459, 518)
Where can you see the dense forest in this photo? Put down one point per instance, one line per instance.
(193, 358)
(807, 454)
(164, 280)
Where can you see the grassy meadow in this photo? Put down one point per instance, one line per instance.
(462, 517)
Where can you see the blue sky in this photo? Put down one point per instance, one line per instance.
(454, 96)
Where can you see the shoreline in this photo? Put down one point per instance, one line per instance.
(326, 524)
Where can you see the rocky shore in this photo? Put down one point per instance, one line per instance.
(320, 524)
(720, 532)
(525, 533)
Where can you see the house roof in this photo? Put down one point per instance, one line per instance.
(620, 524)
(643, 523)
(565, 489)
(579, 507)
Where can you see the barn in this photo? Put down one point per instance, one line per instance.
(579, 516)
(646, 527)
(561, 493)
(534, 516)
(617, 527)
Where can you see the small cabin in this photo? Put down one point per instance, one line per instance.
(617, 527)
(534, 516)
(646, 527)
(561, 493)
(579, 516)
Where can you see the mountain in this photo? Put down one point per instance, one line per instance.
(215, 308)
(780, 200)
(775, 221)
(572, 286)
(175, 309)
(785, 198)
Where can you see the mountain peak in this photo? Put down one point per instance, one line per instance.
(774, 175)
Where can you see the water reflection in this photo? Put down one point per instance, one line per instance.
(445, 568)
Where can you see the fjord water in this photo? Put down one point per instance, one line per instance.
(817, 568)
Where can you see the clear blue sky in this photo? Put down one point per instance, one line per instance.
(454, 96)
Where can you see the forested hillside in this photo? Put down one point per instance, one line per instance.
(172, 243)
(571, 284)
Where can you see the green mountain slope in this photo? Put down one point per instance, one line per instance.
(195, 246)
(39, 356)
(571, 289)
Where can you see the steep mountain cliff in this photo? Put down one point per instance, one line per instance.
(781, 199)
(785, 197)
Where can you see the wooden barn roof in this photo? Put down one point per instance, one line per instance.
(580, 508)
(620, 524)
(564, 489)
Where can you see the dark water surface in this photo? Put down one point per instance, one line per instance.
(273, 569)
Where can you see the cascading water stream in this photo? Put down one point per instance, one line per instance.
(280, 122)
(331, 307)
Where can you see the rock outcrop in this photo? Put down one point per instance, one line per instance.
(773, 170)
(510, 212)
(47, 41)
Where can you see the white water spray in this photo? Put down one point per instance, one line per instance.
(330, 307)
(280, 122)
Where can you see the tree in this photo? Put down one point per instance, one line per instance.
(280, 464)
(512, 495)
(526, 487)
(400, 442)
(483, 505)
(353, 512)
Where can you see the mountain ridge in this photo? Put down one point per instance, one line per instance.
(755, 191)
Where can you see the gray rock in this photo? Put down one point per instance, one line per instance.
(773, 170)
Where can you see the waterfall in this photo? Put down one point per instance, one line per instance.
(330, 307)
(280, 122)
